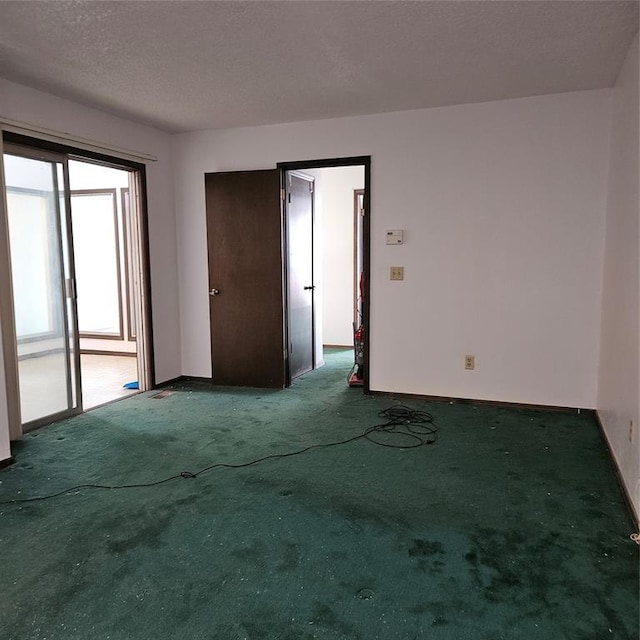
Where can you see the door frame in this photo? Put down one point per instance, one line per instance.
(7, 316)
(328, 163)
(138, 182)
(356, 226)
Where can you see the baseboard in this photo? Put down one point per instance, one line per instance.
(635, 516)
(491, 403)
(337, 346)
(7, 462)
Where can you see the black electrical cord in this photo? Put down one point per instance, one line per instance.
(417, 428)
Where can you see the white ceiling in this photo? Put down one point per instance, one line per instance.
(184, 65)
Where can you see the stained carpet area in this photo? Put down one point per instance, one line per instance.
(510, 526)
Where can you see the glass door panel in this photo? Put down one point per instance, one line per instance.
(42, 287)
(97, 258)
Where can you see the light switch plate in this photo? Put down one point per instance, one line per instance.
(396, 273)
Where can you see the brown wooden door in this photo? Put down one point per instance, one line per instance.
(300, 273)
(244, 235)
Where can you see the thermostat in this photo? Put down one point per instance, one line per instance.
(395, 236)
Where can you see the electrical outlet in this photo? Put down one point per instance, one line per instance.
(470, 362)
(396, 273)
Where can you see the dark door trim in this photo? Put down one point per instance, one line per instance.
(356, 226)
(326, 163)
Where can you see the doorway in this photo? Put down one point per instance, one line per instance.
(103, 257)
(333, 239)
(250, 301)
(77, 275)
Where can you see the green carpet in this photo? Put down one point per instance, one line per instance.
(510, 526)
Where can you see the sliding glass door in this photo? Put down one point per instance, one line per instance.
(43, 285)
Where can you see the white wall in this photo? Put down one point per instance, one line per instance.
(619, 376)
(503, 204)
(337, 186)
(21, 103)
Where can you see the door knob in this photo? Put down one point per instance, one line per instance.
(309, 288)
(214, 292)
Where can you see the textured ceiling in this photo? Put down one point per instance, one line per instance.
(186, 65)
